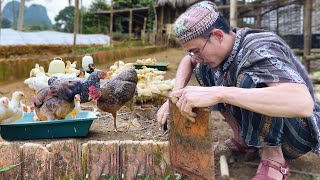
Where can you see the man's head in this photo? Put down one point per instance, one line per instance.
(204, 33)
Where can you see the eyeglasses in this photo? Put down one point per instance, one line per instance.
(197, 56)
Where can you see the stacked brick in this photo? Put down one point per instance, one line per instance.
(92, 160)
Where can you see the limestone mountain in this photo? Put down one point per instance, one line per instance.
(35, 16)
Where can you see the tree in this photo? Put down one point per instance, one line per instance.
(1, 25)
(121, 4)
(64, 20)
(14, 14)
(75, 28)
(21, 15)
(91, 20)
(6, 23)
(98, 4)
(122, 21)
(151, 17)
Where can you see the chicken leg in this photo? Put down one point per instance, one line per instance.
(114, 115)
(131, 106)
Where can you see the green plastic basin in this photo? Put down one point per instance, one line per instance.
(161, 66)
(26, 128)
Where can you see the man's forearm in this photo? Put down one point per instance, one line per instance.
(285, 100)
(184, 73)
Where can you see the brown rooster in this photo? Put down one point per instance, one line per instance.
(118, 92)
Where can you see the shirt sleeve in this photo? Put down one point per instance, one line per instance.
(272, 64)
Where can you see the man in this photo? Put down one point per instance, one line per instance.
(256, 82)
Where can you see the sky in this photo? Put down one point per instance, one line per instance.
(53, 6)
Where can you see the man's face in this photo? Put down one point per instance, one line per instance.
(206, 51)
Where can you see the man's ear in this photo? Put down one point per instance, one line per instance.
(218, 34)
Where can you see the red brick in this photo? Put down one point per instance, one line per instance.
(136, 159)
(101, 159)
(161, 157)
(66, 159)
(37, 164)
(10, 155)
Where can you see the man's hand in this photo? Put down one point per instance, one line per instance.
(195, 96)
(163, 113)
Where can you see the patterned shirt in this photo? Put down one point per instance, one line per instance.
(266, 58)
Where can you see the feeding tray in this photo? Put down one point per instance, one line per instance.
(26, 128)
(161, 66)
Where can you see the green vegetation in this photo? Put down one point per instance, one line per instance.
(64, 20)
(6, 23)
(117, 45)
(10, 167)
(118, 36)
(93, 23)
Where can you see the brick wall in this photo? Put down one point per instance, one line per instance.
(92, 160)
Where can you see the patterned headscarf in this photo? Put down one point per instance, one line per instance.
(195, 21)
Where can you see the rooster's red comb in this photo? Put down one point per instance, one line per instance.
(91, 88)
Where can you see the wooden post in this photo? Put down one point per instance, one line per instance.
(75, 28)
(81, 17)
(144, 24)
(169, 15)
(143, 32)
(13, 16)
(111, 23)
(233, 13)
(277, 12)
(0, 18)
(307, 22)
(258, 20)
(21, 15)
(161, 20)
(155, 24)
(111, 18)
(176, 13)
(130, 25)
(99, 26)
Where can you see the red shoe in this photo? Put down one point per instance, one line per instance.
(234, 146)
(263, 169)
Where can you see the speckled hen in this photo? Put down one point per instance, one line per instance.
(118, 92)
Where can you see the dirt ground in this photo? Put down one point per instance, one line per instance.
(306, 167)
